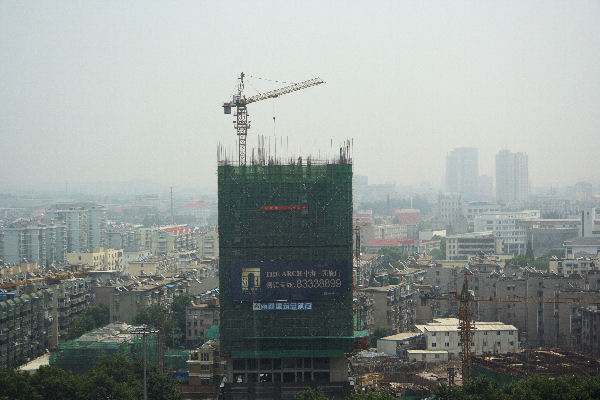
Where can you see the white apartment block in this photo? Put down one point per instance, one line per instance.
(463, 246)
(507, 226)
(443, 334)
(512, 177)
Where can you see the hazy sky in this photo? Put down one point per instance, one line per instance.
(119, 90)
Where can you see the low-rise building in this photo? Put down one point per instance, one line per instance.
(443, 334)
(584, 246)
(399, 343)
(100, 259)
(125, 299)
(509, 226)
(153, 265)
(200, 317)
(206, 368)
(407, 246)
(463, 246)
(568, 266)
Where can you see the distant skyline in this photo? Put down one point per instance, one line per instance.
(120, 91)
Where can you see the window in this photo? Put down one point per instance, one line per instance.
(432, 333)
(511, 332)
(437, 356)
(447, 344)
(485, 333)
(447, 334)
(204, 356)
(433, 344)
(512, 343)
(498, 333)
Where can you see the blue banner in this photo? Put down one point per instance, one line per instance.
(282, 306)
(287, 280)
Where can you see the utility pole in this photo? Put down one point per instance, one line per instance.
(144, 331)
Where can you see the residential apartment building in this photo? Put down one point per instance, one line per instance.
(449, 208)
(200, 317)
(539, 323)
(465, 245)
(71, 298)
(125, 299)
(208, 245)
(390, 307)
(512, 177)
(590, 324)
(153, 265)
(568, 266)
(462, 172)
(206, 367)
(99, 259)
(25, 326)
(44, 244)
(85, 223)
(388, 231)
(508, 226)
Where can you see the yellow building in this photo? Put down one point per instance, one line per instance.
(100, 259)
(21, 268)
(208, 245)
(154, 265)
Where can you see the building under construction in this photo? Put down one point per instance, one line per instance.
(285, 244)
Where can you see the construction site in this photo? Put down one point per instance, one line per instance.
(285, 245)
(135, 341)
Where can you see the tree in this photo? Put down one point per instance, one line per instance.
(378, 333)
(172, 321)
(94, 317)
(178, 310)
(370, 395)
(111, 378)
(436, 254)
(391, 256)
(311, 394)
(442, 240)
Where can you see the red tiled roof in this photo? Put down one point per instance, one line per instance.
(177, 230)
(198, 204)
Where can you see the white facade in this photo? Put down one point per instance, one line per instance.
(488, 337)
(427, 355)
(462, 246)
(508, 227)
(462, 171)
(512, 177)
(449, 208)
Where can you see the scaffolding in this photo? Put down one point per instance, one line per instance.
(296, 213)
(79, 355)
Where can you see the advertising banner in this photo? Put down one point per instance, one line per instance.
(287, 280)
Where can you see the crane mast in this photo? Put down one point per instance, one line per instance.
(239, 101)
(465, 316)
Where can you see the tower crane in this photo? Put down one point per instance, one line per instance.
(239, 101)
(465, 317)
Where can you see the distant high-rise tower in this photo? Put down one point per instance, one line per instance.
(462, 172)
(512, 177)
